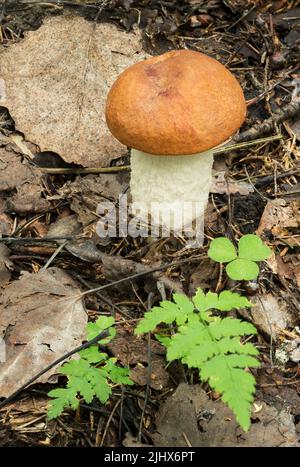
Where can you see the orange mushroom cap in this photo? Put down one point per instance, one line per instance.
(181, 102)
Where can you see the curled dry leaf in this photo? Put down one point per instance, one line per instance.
(133, 351)
(282, 219)
(56, 82)
(270, 314)
(6, 222)
(287, 267)
(116, 267)
(13, 172)
(222, 184)
(5, 265)
(21, 185)
(86, 194)
(41, 319)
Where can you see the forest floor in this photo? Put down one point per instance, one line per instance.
(44, 194)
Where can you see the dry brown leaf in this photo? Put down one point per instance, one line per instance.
(12, 171)
(133, 351)
(87, 193)
(6, 222)
(282, 218)
(41, 319)
(202, 276)
(25, 183)
(288, 267)
(130, 349)
(5, 265)
(116, 267)
(272, 427)
(56, 82)
(270, 314)
(176, 421)
(159, 378)
(190, 415)
(222, 184)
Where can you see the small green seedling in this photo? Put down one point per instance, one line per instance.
(211, 344)
(242, 264)
(89, 376)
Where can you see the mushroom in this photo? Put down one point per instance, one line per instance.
(173, 110)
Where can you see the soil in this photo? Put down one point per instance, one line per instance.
(259, 41)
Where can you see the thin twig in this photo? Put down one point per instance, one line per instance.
(53, 256)
(88, 170)
(289, 111)
(35, 240)
(270, 178)
(149, 370)
(123, 168)
(109, 420)
(140, 274)
(253, 185)
(245, 144)
(104, 299)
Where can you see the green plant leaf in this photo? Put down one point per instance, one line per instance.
(102, 323)
(251, 247)
(102, 388)
(183, 342)
(208, 349)
(92, 354)
(226, 301)
(222, 250)
(242, 269)
(212, 344)
(117, 374)
(164, 340)
(236, 386)
(157, 315)
(62, 398)
(231, 300)
(167, 312)
(87, 380)
(75, 368)
(83, 386)
(231, 327)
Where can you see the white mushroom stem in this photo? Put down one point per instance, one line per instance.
(173, 189)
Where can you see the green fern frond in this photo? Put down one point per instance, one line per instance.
(234, 384)
(225, 301)
(231, 327)
(211, 344)
(89, 376)
(167, 312)
(62, 397)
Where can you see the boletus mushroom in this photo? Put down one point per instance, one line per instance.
(172, 110)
